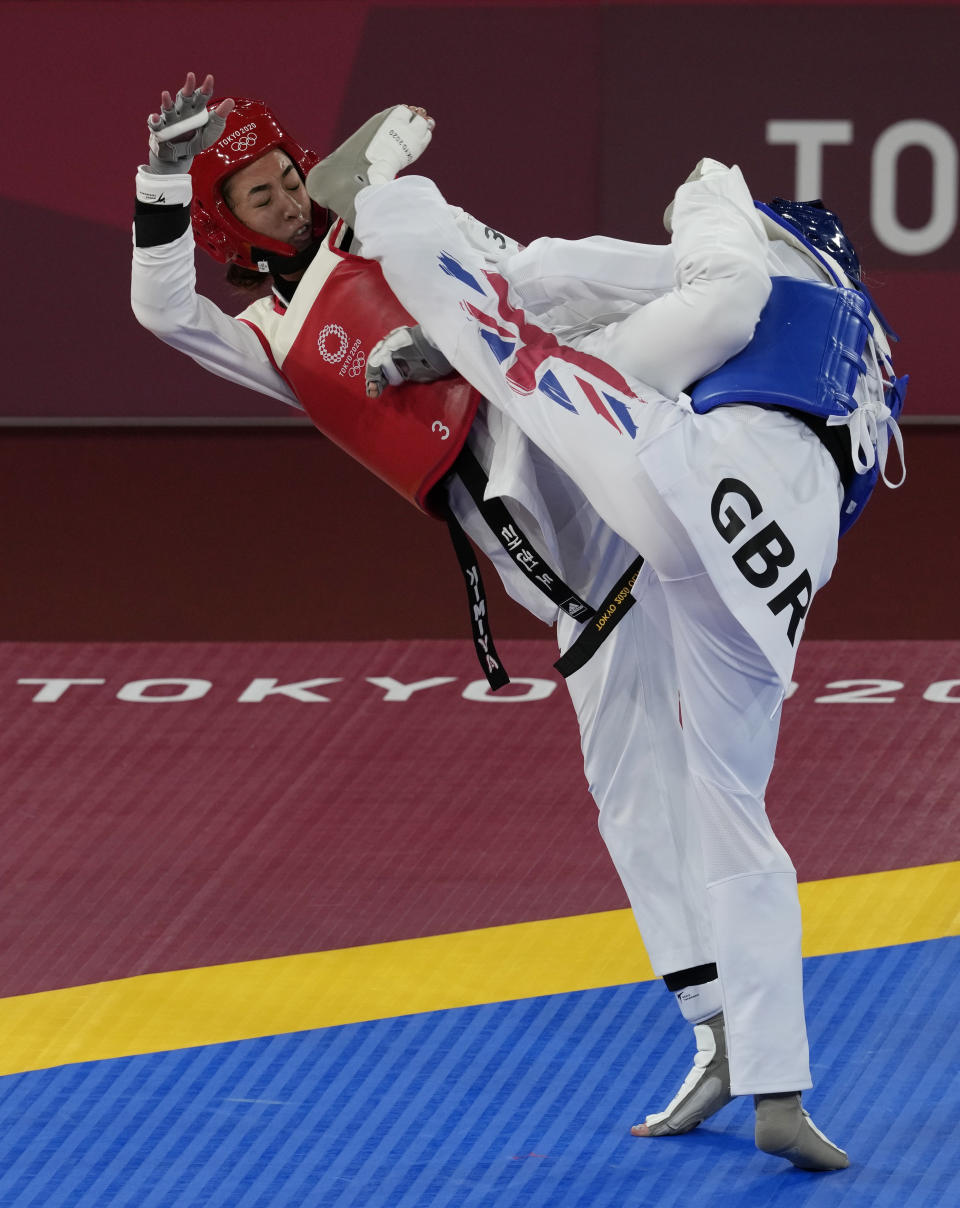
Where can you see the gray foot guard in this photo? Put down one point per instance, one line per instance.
(392, 139)
(783, 1128)
(336, 180)
(705, 1089)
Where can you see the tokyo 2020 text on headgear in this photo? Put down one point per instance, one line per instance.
(251, 130)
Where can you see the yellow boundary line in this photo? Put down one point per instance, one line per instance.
(161, 1011)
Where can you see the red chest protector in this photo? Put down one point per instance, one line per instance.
(411, 435)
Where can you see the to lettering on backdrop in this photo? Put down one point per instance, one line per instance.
(811, 137)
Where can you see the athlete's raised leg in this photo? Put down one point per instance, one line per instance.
(597, 424)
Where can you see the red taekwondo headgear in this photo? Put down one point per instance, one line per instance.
(250, 131)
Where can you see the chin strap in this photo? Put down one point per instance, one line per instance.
(277, 265)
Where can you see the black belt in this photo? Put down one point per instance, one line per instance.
(598, 622)
(493, 669)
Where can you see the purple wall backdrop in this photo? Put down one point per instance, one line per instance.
(553, 118)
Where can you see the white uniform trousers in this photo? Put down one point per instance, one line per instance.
(649, 468)
(626, 698)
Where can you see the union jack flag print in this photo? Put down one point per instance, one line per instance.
(511, 336)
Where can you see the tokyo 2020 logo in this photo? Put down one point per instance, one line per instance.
(332, 342)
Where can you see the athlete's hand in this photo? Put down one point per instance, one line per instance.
(389, 142)
(184, 126)
(405, 355)
(399, 142)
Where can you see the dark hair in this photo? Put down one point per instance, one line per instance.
(247, 279)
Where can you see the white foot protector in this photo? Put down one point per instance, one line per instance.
(704, 1091)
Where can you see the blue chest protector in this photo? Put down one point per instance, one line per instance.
(807, 353)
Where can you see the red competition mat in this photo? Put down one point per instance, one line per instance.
(206, 803)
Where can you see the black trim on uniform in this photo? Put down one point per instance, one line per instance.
(155, 225)
(689, 977)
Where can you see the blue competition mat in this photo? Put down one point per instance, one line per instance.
(520, 1103)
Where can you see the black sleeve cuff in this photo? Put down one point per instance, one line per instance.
(155, 225)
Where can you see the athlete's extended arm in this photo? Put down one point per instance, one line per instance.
(163, 289)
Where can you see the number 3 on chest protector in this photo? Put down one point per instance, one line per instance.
(762, 557)
(444, 431)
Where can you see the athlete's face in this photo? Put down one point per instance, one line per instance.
(269, 197)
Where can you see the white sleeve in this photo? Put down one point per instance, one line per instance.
(571, 281)
(163, 293)
(496, 246)
(721, 283)
(574, 286)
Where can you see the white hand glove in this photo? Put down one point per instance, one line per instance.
(385, 145)
(183, 130)
(405, 355)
